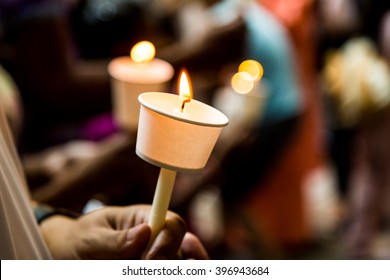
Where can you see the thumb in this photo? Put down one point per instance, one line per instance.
(135, 241)
(192, 248)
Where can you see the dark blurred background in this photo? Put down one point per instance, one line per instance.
(306, 177)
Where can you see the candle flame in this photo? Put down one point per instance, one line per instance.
(253, 68)
(143, 52)
(185, 88)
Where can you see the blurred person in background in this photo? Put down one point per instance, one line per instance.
(357, 79)
(261, 176)
(57, 92)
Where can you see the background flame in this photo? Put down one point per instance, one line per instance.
(143, 52)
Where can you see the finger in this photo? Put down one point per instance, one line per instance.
(127, 217)
(136, 241)
(168, 241)
(118, 244)
(192, 248)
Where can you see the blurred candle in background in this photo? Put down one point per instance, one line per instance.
(132, 75)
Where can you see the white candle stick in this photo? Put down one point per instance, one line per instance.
(162, 197)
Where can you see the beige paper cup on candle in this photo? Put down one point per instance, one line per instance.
(181, 141)
(128, 80)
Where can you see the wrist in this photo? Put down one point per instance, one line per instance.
(58, 232)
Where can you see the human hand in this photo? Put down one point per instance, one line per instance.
(119, 233)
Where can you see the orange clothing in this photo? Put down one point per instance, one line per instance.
(278, 203)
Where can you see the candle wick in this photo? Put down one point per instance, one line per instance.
(184, 103)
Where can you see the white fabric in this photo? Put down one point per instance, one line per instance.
(19, 233)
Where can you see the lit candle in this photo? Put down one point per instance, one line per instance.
(132, 75)
(176, 133)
